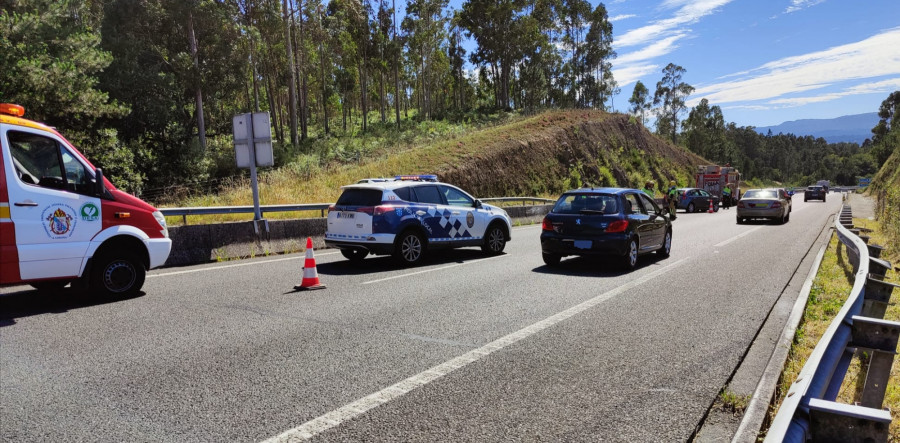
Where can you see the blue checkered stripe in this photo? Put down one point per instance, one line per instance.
(453, 226)
(345, 236)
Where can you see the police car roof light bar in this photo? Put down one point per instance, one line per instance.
(418, 177)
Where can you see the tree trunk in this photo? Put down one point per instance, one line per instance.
(201, 124)
(292, 80)
(396, 69)
(273, 110)
(301, 73)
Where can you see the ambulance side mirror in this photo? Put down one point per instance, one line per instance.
(99, 184)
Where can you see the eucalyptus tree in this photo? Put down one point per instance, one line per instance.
(640, 100)
(599, 52)
(670, 98)
(426, 37)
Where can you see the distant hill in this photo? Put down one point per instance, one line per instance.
(849, 128)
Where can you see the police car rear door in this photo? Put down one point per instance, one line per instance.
(465, 224)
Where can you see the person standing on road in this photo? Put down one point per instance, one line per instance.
(671, 196)
(648, 189)
(726, 196)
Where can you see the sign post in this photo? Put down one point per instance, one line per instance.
(253, 148)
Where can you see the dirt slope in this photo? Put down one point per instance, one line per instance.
(561, 150)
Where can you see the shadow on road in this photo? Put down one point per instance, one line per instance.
(588, 266)
(29, 302)
(374, 264)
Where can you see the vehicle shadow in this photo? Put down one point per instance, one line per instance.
(374, 264)
(587, 266)
(29, 302)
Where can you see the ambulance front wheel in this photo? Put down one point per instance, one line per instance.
(118, 275)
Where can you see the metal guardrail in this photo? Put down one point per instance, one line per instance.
(809, 411)
(322, 207)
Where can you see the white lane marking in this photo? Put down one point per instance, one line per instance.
(738, 236)
(352, 410)
(433, 269)
(216, 268)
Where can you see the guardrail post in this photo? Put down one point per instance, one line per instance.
(184, 219)
(874, 250)
(840, 423)
(877, 297)
(880, 338)
(878, 267)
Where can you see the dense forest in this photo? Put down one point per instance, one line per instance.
(147, 88)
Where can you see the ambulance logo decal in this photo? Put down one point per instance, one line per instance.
(59, 221)
(89, 212)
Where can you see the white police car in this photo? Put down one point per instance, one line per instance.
(409, 215)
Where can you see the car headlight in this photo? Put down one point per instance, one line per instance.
(161, 219)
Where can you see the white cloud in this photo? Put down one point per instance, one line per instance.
(883, 86)
(658, 38)
(874, 57)
(797, 5)
(689, 12)
(621, 17)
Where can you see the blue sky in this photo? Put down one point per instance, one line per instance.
(763, 62)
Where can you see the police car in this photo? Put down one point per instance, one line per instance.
(409, 215)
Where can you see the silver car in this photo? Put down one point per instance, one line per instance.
(772, 203)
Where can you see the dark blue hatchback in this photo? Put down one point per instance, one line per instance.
(617, 222)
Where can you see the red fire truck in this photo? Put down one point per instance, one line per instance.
(713, 179)
(61, 221)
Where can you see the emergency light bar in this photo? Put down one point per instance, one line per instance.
(11, 109)
(419, 177)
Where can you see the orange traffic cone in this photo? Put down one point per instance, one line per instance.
(310, 276)
(710, 207)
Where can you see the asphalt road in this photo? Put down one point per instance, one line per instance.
(463, 348)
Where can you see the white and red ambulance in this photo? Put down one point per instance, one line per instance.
(61, 221)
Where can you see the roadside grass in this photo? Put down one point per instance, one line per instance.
(730, 402)
(312, 179)
(829, 291)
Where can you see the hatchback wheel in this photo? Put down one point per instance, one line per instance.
(666, 248)
(494, 241)
(630, 259)
(410, 248)
(690, 207)
(551, 259)
(740, 221)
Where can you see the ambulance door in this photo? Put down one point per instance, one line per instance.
(51, 203)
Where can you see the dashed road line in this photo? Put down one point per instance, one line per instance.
(352, 410)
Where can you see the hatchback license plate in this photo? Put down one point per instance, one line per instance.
(582, 244)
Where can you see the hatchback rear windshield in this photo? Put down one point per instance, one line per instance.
(587, 203)
(814, 188)
(360, 197)
(761, 194)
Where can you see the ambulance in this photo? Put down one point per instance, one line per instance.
(62, 222)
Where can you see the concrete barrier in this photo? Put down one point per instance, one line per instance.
(195, 244)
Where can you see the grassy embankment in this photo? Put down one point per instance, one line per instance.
(537, 156)
(829, 291)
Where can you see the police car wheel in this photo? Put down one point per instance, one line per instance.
(120, 275)
(630, 259)
(494, 241)
(354, 255)
(410, 248)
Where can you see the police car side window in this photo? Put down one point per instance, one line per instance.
(428, 194)
(402, 193)
(456, 198)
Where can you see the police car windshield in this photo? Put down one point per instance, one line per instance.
(587, 203)
(360, 197)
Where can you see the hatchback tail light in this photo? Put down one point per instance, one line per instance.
(741, 205)
(617, 226)
(776, 205)
(546, 225)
